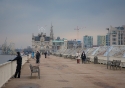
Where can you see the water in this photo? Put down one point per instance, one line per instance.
(0, 51)
(5, 58)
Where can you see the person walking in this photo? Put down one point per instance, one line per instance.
(37, 57)
(45, 54)
(83, 56)
(78, 57)
(32, 55)
(19, 64)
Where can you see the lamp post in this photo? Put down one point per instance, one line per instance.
(107, 47)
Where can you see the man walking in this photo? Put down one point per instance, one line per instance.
(37, 57)
(45, 54)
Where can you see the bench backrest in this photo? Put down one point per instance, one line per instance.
(114, 62)
(118, 62)
(34, 69)
(31, 67)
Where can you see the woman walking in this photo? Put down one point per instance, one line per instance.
(78, 57)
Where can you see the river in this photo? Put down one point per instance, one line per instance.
(5, 58)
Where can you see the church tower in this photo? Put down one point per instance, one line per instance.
(51, 33)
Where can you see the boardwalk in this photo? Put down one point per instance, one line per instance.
(57, 72)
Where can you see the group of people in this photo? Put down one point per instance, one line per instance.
(38, 56)
(81, 56)
(18, 58)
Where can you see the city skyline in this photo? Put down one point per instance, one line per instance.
(19, 19)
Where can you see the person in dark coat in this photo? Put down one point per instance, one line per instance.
(37, 57)
(83, 56)
(45, 54)
(19, 64)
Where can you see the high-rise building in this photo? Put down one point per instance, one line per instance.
(87, 41)
(116, 35)
(107, 39)
(101, 41)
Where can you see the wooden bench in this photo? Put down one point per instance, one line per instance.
(115, 64)
(35, 69)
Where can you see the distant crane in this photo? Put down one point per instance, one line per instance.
(77, 29)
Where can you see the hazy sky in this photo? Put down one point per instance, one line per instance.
(20, 18)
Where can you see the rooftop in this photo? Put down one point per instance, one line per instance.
(120, 28)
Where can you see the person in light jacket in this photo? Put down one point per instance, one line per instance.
(78, 57)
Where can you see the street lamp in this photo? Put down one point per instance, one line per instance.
(107, 47)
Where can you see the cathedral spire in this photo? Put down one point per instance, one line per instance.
(51, 32)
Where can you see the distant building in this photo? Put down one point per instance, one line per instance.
(87, 41)
(73, 44)
(116, 36)
(107, 38)
(65, 44)
(101, 40)
(42, 42)
(57, 45)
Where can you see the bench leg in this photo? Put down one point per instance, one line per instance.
(39, 73)
(31, 74)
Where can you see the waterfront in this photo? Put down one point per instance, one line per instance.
(66, 73)
(5, 58)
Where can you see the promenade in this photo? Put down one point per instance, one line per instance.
(57, 72)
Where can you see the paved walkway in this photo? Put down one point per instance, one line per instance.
(57, 72)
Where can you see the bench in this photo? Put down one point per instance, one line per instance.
(35, 69)
(115, 64)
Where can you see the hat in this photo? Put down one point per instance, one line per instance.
(18, 53)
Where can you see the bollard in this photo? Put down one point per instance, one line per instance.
(95, 60)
